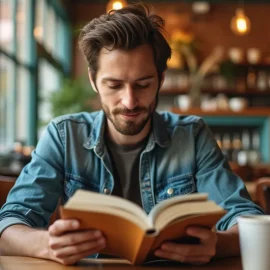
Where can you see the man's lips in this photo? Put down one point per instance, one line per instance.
(130, 115)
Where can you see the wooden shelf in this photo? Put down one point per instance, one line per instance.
(231, 92)
(261, 65)
(264, 111)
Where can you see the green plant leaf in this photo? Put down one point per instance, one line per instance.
(72, 97)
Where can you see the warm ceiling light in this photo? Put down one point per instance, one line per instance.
(240, 23)
(116, 4)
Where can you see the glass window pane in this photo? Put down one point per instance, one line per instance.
(49, 81)
(6, 25)
(6, 121)
(50, 30)
(23, 77)
(39, 23)
(21, 17)
(60, 50)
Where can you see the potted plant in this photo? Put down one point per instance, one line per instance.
(75, 95)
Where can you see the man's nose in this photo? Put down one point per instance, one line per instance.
(129, 99)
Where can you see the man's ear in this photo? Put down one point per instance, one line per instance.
(91, 80)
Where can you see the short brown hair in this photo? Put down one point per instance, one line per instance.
(126, 29)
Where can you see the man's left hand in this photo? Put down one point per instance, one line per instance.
(195, 254)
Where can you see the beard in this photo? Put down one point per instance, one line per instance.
(130, 127)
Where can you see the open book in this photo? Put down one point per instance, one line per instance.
(130, 233)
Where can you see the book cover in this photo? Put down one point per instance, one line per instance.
(130, 233)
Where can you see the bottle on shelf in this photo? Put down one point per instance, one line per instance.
(236, 146)
(262, 80)
(242, 157)
(226, 145)
(254, 155)
(251, 79)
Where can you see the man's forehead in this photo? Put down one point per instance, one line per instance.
(121, 63)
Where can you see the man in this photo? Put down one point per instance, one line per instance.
(127, 149)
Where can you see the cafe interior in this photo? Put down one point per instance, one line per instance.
(219, 70)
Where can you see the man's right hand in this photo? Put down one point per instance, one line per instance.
(68, 245)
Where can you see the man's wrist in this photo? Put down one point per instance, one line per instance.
(43, 250)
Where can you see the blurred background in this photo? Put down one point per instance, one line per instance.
(220, 70)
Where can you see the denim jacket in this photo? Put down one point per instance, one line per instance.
(181, 157)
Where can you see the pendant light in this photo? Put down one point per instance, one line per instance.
(240, 23)
(115, 5)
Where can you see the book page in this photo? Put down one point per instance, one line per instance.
(88, 200)
(177, 211)
(115, 212)
(173, 201)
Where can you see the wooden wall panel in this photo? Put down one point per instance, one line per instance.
(210, 30)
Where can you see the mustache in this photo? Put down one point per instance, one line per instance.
(127, 111)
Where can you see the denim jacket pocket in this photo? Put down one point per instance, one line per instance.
(74, 182)
(175, 186)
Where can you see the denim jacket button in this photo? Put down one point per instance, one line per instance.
(170, 191)
(106, 191)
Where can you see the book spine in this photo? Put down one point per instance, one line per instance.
(143, 249)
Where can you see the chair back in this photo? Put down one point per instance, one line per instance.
(263, 193)
(6, 183)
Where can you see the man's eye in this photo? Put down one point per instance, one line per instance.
(142, 85)
(118, 86)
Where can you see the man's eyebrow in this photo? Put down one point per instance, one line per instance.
(145, 78)
(111, 79)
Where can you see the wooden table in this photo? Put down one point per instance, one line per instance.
(24, 263)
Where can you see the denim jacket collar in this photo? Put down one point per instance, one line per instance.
(158, 135)
(97, 132)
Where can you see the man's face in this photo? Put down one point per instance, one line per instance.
(127, 83)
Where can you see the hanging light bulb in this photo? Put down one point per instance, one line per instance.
(240, 23)
(115, 4)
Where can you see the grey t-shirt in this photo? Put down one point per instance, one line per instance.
(125, 161)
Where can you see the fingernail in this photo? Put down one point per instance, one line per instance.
(101, 242)
(97, 233)
(75, 224)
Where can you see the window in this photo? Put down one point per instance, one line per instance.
(6, 25)
(40, 20)
(22, 103)
(49, 81)
(31, 66)
(6, 126)
(21, 40)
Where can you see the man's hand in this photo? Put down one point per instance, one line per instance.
(195, 254)
(68, 245)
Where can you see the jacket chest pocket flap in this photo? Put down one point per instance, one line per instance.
(174, 186)
(73, 183)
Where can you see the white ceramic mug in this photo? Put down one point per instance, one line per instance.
(255, 241)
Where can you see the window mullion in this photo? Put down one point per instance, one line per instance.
(32, 82)
(12, 96)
